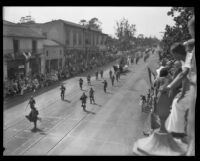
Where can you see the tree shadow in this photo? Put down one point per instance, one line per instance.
(67, 101)
(89, 112)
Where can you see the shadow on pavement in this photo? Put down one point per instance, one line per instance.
(38, 130)
(90, 112)
(109, 93)
(83, 90)
(67, 101)
(124, 73)
(97, 105)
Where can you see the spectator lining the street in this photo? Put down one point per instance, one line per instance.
(176, 121)
(163, 99)
(193, 88)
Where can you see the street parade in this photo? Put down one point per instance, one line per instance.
(94, 94)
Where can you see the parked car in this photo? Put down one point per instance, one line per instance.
(125, 68)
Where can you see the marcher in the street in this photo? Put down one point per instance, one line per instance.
(91, 94)
(137, 59)
(96, 75)
(62, 94)
(31, 102)
(101, 74)
(112, 80)
(83, 99)
(105, 85)
(132, 60)
(81, 83)
(33, 115)
(117, 75)
(88, 80)
(110, 73)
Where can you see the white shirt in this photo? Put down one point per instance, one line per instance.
(187, 63)
(158, 71)
(188, 60)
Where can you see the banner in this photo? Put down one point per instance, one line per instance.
(27, 55)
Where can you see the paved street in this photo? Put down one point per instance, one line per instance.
(110, 127)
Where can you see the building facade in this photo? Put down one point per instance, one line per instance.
(51, 45)
(53, 56)
(22, 51)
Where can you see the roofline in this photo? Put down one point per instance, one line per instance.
(74, 25)
(52, 45)
(24, 36)
(18, 25)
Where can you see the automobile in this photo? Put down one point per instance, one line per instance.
(54, 77)
(125, 68)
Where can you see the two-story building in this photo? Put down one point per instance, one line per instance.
(54, 56)
(74, 37)
(22, 50)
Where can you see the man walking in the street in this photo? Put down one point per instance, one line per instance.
(88, 80)
(81, 83)
(137, 59)
(105, 85)
(91, 94)
(117, 75)
(83, 99)
(62, 94)
(112, 80)
(96, 75)
(101, 74)
(110, 73)
(33, 115)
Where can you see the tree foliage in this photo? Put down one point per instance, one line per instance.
(125, 33)
(92, 23)
(179, 32)
(143, 41)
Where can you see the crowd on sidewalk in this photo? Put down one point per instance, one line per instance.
(76, 64)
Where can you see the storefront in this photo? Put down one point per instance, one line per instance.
(35, 65)
(54, 64)
(15, 68)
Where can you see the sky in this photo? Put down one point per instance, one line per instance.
(150, 21)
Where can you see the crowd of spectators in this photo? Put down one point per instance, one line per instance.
(175, 92)
(77, 63)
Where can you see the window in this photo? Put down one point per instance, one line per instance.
(34, 46)
(67, 36)
(102, 40)
(93, 40)
(79, 38)
(47, 53)
(87, 39)
(16, 46)
(97, 42)
(74, 38)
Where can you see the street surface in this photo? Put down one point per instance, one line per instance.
(110, 127)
